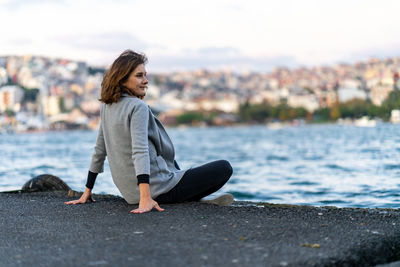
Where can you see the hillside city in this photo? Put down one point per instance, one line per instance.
(40, 93)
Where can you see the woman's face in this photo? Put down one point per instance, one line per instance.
(137, 81)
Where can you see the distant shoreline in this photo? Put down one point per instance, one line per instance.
(183, 126)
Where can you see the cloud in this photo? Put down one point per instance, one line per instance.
(20, 41)
(238, 34)
(106, 42)
(218, 51)
(383, 51)
(215, 58)
(14, 5)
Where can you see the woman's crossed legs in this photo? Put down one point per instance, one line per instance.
(198, 182)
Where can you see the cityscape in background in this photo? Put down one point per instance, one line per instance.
(40, 93)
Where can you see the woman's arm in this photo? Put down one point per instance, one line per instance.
(146, 203)
(140, 156)
(100, 153)
(87, 195)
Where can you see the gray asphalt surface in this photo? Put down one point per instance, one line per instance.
(37, 229)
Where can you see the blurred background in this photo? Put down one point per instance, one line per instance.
(301, 96)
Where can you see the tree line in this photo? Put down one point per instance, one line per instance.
(266, 112)
(352, 109)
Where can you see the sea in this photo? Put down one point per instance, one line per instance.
(320, 165)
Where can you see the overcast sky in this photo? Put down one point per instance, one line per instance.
(214, 34)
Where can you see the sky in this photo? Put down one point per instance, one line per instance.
(178, 35)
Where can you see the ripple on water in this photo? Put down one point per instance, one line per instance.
(314, 193)
(370, 150)
(332, 202)
(277, 158)
(356, 194)
(391, 166)
(303, 183)
(380, 192)
(234, 181)
(300, 167)
(313, 158)
(240, 195)
(385, 193)
(43, 167)
(337, 167)
(393, 194)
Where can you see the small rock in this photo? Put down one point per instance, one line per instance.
(72, 193)
(308, 245)
(93, 263)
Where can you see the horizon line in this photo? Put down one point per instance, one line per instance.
(221, 69)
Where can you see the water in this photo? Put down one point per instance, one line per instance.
(316, 164)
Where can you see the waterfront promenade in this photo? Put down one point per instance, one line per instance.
(38, 229)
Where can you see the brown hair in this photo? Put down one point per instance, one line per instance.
(111, 86)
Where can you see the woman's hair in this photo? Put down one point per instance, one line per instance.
(122, 67)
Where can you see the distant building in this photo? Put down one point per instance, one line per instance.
(309, 102)
(348, 93)
(170, 117)
(272, 96)
(91, 106)
(10, 98)
(379, 93)
(227, 104)
(395, 116)
(3, 76)
(51, 105)
(327, 98)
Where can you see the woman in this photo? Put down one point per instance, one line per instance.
(139, 150)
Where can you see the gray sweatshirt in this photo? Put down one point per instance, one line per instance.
(135, 143)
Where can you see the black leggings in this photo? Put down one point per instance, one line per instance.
(198, 182)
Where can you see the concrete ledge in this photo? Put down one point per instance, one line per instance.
(37, 229)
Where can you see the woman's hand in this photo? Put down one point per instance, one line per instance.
(146, 205)
(86, 196)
